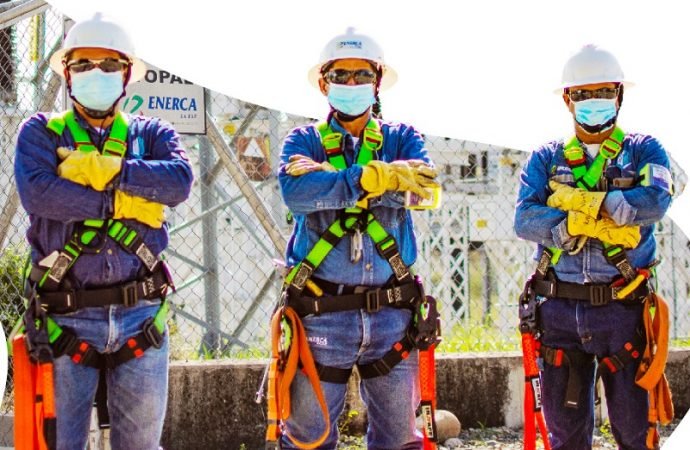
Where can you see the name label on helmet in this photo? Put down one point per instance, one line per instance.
(350, 44)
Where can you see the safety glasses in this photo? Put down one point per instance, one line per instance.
(107, 65)
(578, 95)
(342, 76)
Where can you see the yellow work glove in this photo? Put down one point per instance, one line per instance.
(301, 164)
(138, 208)
(574, 199)
(411, 175)
(88, 168)
(606, 230)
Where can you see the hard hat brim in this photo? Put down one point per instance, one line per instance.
(138, 66)
(389, 78)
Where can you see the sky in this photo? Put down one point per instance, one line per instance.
(479, 71)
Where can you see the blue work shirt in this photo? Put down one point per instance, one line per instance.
(156, 168)
(317, 198)
(629, 201)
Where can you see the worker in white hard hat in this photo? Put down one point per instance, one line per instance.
(591, 202)
(352, 248)
(95, 183)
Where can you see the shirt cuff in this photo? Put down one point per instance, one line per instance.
(562, 238)
(622, 212)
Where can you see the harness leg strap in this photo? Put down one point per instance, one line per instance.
(101, 401)
(332, 374)
(573, 359)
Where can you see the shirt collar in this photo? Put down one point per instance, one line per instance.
(335, 126)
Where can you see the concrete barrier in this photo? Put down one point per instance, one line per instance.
(211, 404)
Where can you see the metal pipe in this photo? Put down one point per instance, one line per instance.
(209, 233)
(232, 165)
(18, 10)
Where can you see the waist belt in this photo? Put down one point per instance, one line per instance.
(369, 298)
(128, 294)
(596, 294)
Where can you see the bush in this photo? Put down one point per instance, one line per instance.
(12, 261)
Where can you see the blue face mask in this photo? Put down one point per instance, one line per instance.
(351, 100)
(96, 89)
(595, 112)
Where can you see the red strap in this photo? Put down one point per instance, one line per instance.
(532, 406)
(427, 385)
(281, 373)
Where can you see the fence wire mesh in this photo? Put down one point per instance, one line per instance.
(225, 237)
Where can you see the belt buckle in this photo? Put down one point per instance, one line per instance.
(152, 334)
(597, 295)
(129, 294)
(373, 300)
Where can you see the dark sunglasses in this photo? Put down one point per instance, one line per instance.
(342, 76)
(107, 65)
(579, 95)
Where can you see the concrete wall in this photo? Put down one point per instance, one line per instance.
(211, 404)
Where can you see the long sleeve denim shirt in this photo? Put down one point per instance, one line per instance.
(156, 167)
(317, 198)
(628, 202)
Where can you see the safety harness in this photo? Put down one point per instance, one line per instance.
(43, 340)
(404, 291)
(631, 286)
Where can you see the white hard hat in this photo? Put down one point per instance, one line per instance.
(99, 32)
(353, 45)
(590, 65)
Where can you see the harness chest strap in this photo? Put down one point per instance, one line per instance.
(352, 218)
(115, 145)
(587, 179)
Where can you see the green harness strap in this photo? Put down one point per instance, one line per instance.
(55, 331)
(84, 240)
(588, 178)
(114, 145)
(352, 219)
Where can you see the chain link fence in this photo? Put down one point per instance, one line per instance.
(225, 237)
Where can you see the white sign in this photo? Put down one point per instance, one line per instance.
(162, 94)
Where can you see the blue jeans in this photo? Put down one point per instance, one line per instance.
(600, 331)
(137, 389)
(341, 340)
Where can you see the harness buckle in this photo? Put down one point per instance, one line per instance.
(373, 300)
(597, 294)
(303, 273)
(70, 301)
(152, 334)
(129, 294)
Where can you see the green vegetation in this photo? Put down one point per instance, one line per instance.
(12, 261)
(478, 338)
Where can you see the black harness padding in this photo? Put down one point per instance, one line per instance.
(361, 297)
(151, 287)
(596, 294)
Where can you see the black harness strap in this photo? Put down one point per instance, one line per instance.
(596, 294)
(572, 359)
(400, 351)
(372, 300)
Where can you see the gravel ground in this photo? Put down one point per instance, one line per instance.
(502, 438)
